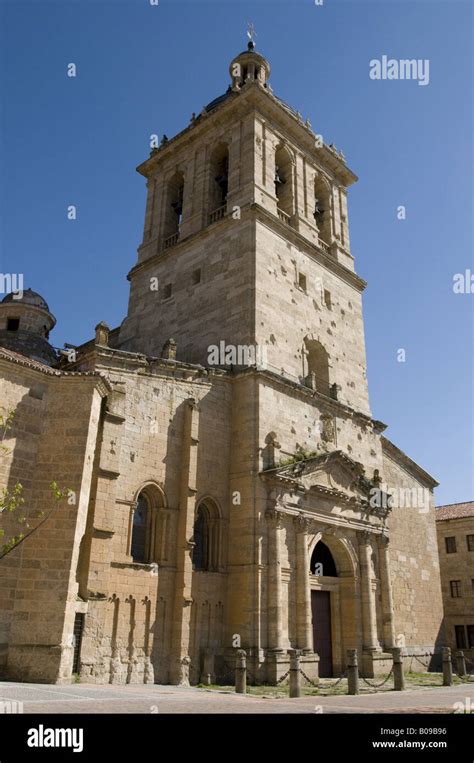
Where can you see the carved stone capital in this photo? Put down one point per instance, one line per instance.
(364, 537)
(302, 524)
(274, 517)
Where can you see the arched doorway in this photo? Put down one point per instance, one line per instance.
(322, 565)
(333, 600)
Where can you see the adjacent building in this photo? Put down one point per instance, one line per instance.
(455, 529)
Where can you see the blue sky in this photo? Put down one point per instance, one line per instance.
(143, 69)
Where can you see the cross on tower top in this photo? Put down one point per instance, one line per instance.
(251, 33)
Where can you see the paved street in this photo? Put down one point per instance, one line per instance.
(89, 698)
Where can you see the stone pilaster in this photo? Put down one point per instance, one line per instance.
(179, 669)
(304, 628)
(274, 606)
(386, 591)
(369, 618)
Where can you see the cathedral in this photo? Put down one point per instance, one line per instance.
(227, 484)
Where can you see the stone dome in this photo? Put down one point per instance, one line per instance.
(25, 323)
(29, 297)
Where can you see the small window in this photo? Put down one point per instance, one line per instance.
(450, 543)
(206, 538)
(460, 636)
(139, 529)
(470, 636)
(327, 299)
(196, 276)
(13, 324)
(302, 281)
(167, 291)
(455, 586)
(470, 542)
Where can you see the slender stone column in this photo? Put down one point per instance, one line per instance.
(274, 606)
(386, 591)
(181, 627)
(369, 620)
(304, 627)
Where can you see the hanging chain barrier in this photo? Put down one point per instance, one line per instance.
(463, 672)
(332, 685)
(282, 678)
(307, 678)
(414, 656)
(379, 685)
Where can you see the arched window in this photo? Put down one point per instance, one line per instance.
(219, 179)
(206, 537)
(318, 366)
(284, 181)
(148, 527)
(139, 531)
(322, 209)
(174, 206)
(322, 562)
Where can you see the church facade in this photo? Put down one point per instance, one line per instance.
(229, 485)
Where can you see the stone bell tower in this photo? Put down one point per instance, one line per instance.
(246, 242)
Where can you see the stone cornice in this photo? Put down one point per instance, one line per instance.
(291, 476)
(401, 458)
(318, 522)
(335, 406)
(123, 361)
(262, 101)
(288, 233)
(34, 367)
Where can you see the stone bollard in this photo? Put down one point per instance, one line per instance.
(460, 664)
(241, 672)
(398, 675)
(352, 672)
(295, 675)
(447, 667)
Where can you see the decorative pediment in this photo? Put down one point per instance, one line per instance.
(333, 475)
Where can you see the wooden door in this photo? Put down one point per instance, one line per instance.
(321, 611)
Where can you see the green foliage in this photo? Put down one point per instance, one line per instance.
(301, 455)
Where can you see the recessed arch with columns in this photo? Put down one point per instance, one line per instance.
(147, 533)
(345, 615)
(317, 364)
(323, 206)
(207, 535)
(342, 551)
(218, 175)
(285, 178)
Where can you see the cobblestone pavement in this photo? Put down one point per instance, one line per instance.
(90, 698)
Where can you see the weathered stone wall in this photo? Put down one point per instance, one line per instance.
(142, 447)
(54, 439)
(196, 315)
(287, 314)
(414, 565)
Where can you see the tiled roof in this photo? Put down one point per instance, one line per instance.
(455, 511)
(23, 360)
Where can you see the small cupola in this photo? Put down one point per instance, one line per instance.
(25, 323)
(249, 66)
